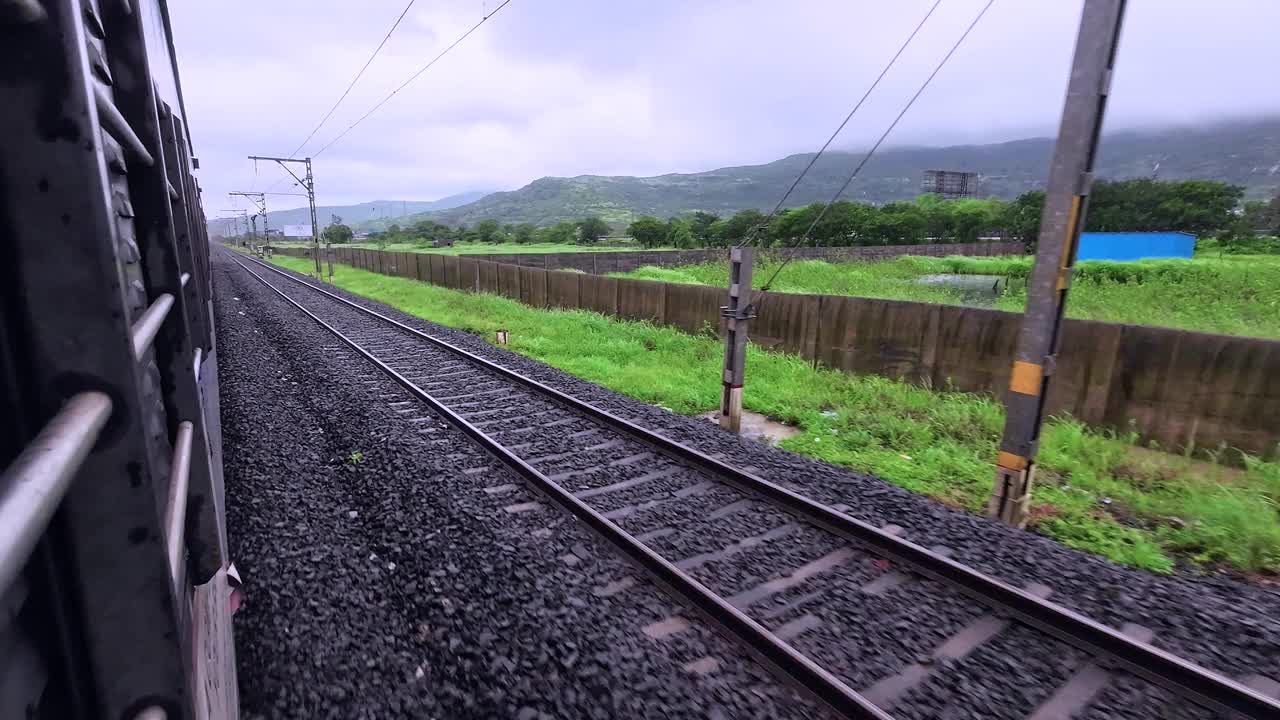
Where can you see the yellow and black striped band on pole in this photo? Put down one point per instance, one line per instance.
(1069, 247)
(1026, 378)
(1010, 461)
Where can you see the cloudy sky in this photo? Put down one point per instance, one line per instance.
(644, 87)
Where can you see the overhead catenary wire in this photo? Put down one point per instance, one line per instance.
(354, 80)
(814, 160)
(412, 77)
(858, 169)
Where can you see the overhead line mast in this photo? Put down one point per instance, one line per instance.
(309, 184)
(1066, 200)
(260, 200)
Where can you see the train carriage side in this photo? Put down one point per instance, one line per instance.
(114, 588)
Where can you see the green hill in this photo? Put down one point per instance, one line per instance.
(369, 214)
(1243, 153)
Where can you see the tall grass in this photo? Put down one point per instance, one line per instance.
(1232, 295)
(1095, 491)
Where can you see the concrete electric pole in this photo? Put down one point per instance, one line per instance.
(308, 183)
(737, 315)
(1066, 199)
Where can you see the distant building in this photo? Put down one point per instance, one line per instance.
(950, 184)
(297, 231)
(1135, 245)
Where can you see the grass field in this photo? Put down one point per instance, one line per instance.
(1231, 294)
(1096, 492)
(467, 248)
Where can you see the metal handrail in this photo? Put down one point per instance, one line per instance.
(175, 513)
(33, 485)
(144, 330)
(111, 119)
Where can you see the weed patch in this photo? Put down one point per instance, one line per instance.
(1227, 294)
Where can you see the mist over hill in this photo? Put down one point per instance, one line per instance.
(1242, 152)
(363, 214)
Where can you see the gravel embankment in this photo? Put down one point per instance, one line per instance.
(1230, 626)
(383, 580)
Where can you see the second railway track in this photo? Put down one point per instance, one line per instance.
(675, 512)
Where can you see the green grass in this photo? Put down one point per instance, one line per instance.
(1095, 492)
(1229, 294)
(469, 248)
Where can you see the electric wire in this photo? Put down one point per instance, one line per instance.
(354, 80)
(813, 161)
(791, 250)
(412, 77)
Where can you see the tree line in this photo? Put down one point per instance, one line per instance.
(586, 231)
(1202, 207)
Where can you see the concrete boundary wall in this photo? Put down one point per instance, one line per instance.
(1180, 389)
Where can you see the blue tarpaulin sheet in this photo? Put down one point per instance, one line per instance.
(1135, 245)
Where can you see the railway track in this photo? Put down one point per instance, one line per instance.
(676, 512)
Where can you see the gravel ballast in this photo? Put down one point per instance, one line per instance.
(865, 641)
(382, 580)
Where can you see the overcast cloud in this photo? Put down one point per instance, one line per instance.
(644, 87)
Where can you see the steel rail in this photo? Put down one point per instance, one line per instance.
(1201, 685)
(766, 647)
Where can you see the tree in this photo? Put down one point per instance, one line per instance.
(846, 223)
(430, 231)
(700, 227)
(591, 229)
(971, 218)
(525, 233)
(790, 225)
(558, 234)
(1262, 217)
(680, 234)
(394, 230)
(1021, 218)
(488, 231)
(649, 231)
(337, 234)
(740, 226)
(899, 223)
(1202, 207)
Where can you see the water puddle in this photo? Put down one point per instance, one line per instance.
(977, 290)
(758, 427)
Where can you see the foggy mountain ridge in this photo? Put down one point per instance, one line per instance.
(1242, 152)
